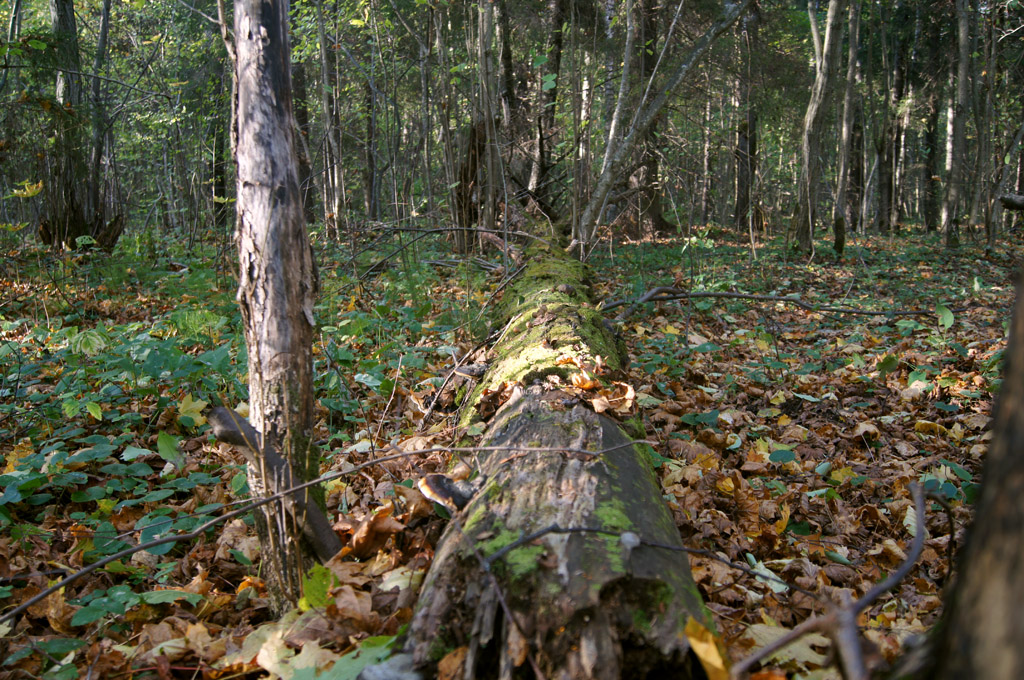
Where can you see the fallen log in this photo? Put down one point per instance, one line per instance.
(1012, 201)
(566, 563)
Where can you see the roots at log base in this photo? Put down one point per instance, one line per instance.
(586, 605)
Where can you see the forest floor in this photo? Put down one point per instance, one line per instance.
(786, 439)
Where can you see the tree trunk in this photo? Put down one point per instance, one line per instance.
(814, 119)
(332, 152)
(592, 597)
(546, 100)
(746, 135)
(306, 183)
(950, 208)
(983, 627)
(620, 145)
(932, 181)
(842, 214)
(277, 279)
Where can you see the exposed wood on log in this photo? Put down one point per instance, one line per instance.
(570, 604)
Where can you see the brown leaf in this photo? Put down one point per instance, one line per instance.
(374, 532)
(450, 667)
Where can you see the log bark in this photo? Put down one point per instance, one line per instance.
(593, 597)
(1012, 201)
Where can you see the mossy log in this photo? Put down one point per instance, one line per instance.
(595, 598)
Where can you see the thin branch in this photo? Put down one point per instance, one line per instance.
(667, 294)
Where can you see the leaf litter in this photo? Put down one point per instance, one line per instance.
(786, 441)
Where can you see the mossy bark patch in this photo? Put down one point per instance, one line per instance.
(546, 315)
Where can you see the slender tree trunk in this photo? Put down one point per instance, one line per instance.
(648, 178)
(488, 172)
(332, 153)
(506, 79)
(621, 145)
(306, 182)
(951, 207)
(705, 157)
(67, 211)
(546, 101)
(814, 118)
(746, 134)
(933, 143)
(842, 217)
(98, 112)
(277, 280)
(13, 29)
(220, 156)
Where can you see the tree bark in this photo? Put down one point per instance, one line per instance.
(842, 215)
(576, 602)
(332, 152)
(1012, 201)
(814, 119)
(546, 100)
(746, 134)
(277, 278)
(983, 627)
(950, 207)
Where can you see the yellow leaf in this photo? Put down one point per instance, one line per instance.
(708, 649)
(928, 427)
(842, 474)
(783, 419)
(192, 409)
(779, 398)
(28, 190)
(780, 524)
(671, 330)
(22, 449)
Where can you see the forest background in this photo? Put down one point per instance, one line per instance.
(430, 136)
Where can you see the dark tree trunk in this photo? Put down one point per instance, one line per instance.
(951, 208)
(69, 210)
(506, 74)
(220, 155)
(856, 178)
(983, 627)
(371, 176)
(546, 100)
(814, 118)
(1012, 201)
(884, 149)
(306, 184)
(647, 178)
(932, 180)
(746, 135)
(841, 214)
(277, 279)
